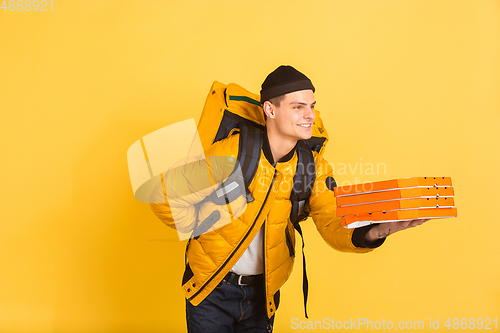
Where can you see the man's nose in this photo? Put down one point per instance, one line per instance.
(310, 114)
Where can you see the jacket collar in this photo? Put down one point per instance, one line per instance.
(268, 154)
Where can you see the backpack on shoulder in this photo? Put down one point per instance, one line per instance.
(231, 109)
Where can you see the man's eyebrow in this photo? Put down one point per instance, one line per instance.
(302, 103)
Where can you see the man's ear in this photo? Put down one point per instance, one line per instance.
(268, 108)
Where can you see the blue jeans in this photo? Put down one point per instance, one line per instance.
(230, 308)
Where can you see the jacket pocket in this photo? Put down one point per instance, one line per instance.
(289, 242)
(188, 274)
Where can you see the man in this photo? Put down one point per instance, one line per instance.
(234, 273)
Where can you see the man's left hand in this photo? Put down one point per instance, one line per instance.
(388, 228)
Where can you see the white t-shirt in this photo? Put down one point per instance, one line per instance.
(251, 262)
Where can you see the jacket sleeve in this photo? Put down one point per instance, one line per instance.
(176, 197)
(322, 208)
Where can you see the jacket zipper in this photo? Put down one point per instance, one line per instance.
(264, 262)
(238, 246)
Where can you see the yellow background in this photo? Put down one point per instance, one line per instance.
(413, 84)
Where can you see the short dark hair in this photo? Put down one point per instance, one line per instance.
(277, 100)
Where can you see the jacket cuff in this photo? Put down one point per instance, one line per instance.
(358, 238)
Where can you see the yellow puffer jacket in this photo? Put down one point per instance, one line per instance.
(211, 255)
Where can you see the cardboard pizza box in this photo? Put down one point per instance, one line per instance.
(356, 221)
(410, 182)
(416, 192)
(390, 205)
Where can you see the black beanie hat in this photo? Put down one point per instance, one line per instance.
(284, 80)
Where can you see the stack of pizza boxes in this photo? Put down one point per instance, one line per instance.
(395, 200)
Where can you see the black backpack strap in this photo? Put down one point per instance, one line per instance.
(305, 283)
(249, 154)
(230, 189)
(303, 182)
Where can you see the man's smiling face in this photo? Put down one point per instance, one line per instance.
(295, 115)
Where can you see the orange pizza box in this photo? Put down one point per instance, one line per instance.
(416, 192)
(395, 205)
(393, 184)
(359, 220)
